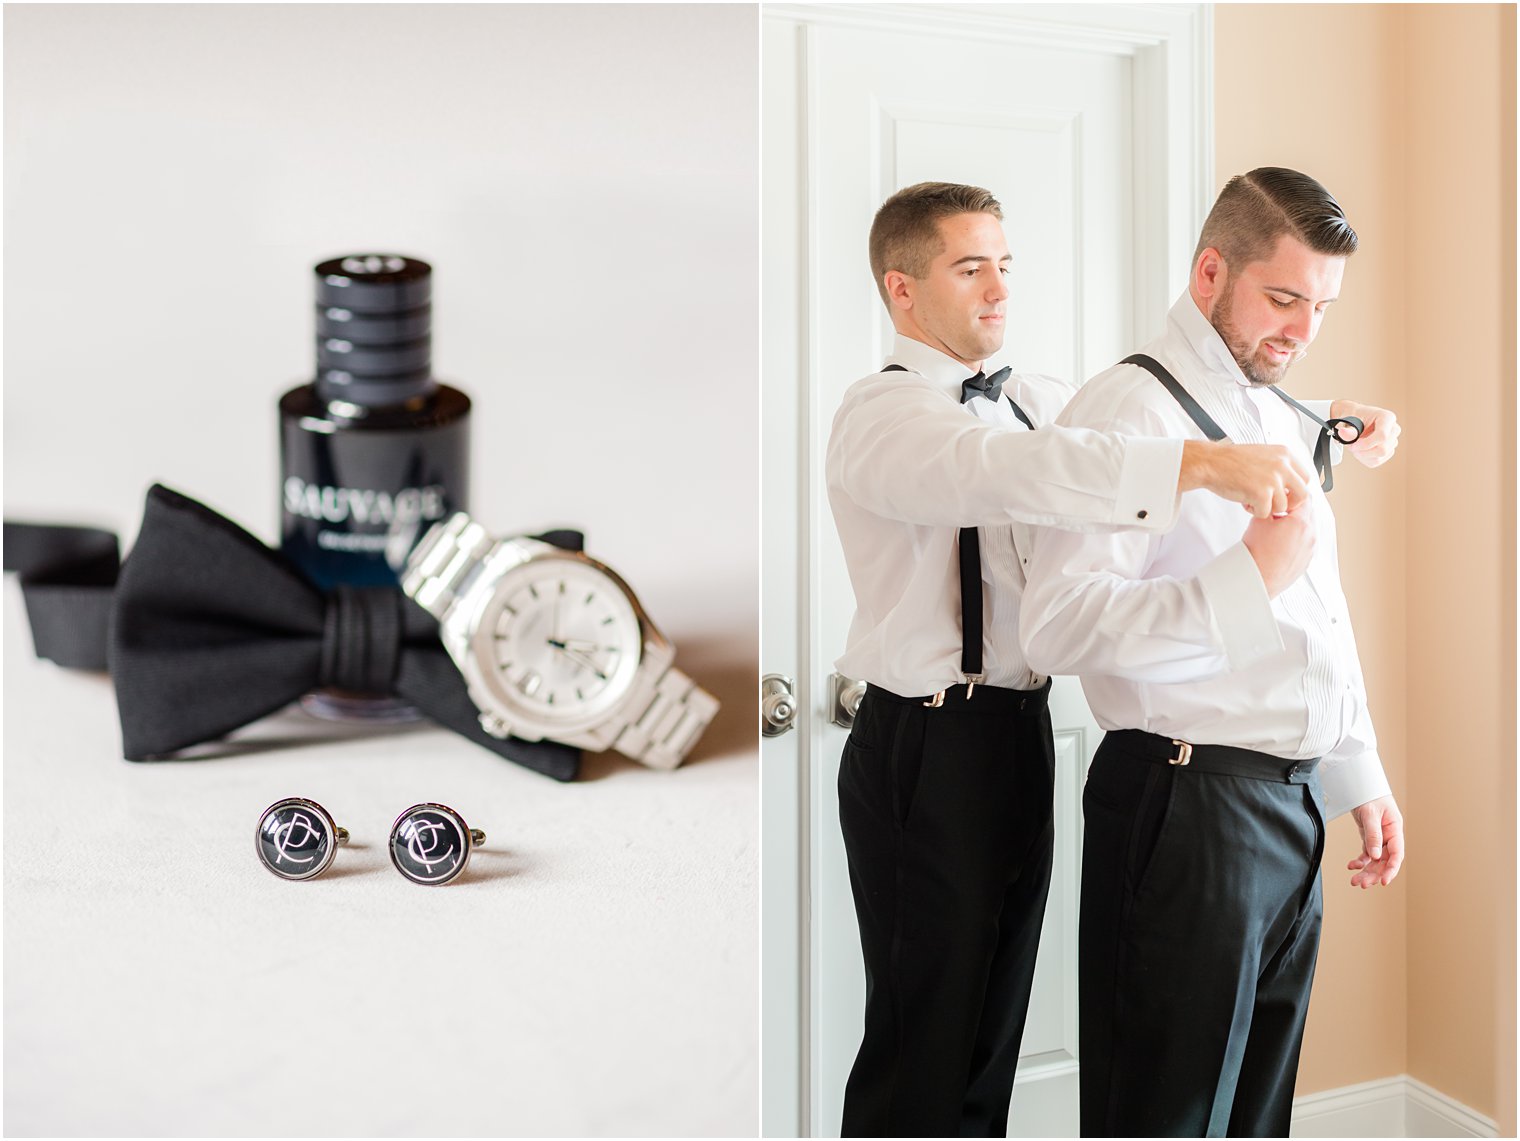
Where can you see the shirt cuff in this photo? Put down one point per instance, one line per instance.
(1242, 612)
(1148, 498)
(1352, 782)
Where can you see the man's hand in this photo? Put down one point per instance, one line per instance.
(1282, 548)
(1267, 478)
(1380, 436)
(1382, 843)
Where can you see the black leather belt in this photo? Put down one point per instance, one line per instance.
(1224, 760)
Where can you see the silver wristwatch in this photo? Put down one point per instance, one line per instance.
(554, 645)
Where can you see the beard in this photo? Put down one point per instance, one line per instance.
(1260, 371)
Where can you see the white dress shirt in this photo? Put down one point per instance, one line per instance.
(908, 465)
(1174, 633)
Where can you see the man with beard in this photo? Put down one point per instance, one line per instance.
(934, 473)
(1234, 702)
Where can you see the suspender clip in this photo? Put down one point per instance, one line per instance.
(936, 701)
(1184, 753)
(972, 681)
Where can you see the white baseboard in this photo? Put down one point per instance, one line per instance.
(1390, 1107)
(1371, 1109)
(1433, 1114)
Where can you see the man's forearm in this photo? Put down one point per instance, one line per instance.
(912, 456)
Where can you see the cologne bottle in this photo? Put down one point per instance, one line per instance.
(374, 450)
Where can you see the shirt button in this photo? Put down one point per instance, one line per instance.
(1141, 514)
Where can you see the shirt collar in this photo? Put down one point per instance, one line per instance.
(1188, 320)
(944, 372)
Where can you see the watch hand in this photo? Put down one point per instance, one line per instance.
(577, 645)
(578, 656)
(582, 660)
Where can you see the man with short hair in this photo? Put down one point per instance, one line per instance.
(934, 473)
(1234, 702)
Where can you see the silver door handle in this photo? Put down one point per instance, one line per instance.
(778, 705)
(844, 700)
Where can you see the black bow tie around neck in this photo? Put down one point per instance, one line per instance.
(205, 629)
(982, 385)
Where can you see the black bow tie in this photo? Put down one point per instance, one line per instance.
(209, 630)
(982, 385)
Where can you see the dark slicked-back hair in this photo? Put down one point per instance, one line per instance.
(905, 234)
(1254, 210)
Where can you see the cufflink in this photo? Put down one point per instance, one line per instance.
(296, 838)
(430, 843)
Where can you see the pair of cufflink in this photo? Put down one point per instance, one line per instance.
(430, 843)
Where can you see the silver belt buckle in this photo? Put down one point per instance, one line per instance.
(934, 702)
(1184, 753)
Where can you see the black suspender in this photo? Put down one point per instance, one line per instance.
(1329, 429)
(970, 555)
(1205, 422)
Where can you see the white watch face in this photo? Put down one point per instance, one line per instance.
(558, 642)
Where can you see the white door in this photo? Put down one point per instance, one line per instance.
(1077, 130)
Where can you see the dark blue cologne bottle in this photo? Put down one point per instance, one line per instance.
(374, 450)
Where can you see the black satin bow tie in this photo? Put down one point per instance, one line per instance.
(982, 385)
(205, 629)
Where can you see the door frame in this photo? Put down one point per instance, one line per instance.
(1171, 48)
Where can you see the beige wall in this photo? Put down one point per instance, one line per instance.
(1461, 392)
(1407, 114)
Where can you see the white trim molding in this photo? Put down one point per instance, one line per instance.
(1105, 28)
(1400, 1106)
(1172, 46)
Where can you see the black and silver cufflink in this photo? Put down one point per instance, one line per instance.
(296, 838)
(430, 843)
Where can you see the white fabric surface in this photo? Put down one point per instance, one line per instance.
(1174, 633)
(908, 466)
(594, 972)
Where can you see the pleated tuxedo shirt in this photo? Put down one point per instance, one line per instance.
(908, 465)
(1174, 633)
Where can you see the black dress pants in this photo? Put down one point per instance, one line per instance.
(947, 825)
(1200, 923)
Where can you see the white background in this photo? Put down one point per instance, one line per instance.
(583, 180)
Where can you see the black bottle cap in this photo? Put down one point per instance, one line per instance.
(374, 360)
(375, 283)
(374, 329)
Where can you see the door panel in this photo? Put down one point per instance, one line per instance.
(1048, 133)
